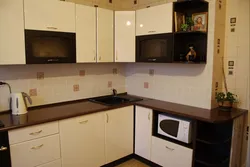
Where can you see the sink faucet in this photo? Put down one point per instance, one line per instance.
(114, 92)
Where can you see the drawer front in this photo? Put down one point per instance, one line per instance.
(35, 152)
(33, 132)
(56, 163)
(168, 154)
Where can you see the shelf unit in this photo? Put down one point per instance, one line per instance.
(184, 39)
(213, 144)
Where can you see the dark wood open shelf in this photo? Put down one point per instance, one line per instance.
(183, 40)
(199, 163)
(212, 141)
(191, 32)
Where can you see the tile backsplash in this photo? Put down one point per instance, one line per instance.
(47, 84)
(178, 83)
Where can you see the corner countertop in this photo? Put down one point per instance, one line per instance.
(55, 112)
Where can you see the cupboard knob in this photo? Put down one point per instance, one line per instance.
(3, 148)
(52, 28)
(84, 122)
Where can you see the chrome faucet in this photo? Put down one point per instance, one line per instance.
(114, 92)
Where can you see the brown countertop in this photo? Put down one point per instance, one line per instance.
(44, 114)
(206, 115)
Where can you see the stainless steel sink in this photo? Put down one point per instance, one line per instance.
(113, 100)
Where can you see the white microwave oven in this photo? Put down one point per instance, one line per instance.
(175, 128)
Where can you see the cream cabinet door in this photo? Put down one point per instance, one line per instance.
(105, 35)
(82, 141)
(125, 36)
(168, 154)
(155, 20)
(12, 47)
(49, 15)
(119, 133)
(143, 132)
(56, 163)
(86, 34)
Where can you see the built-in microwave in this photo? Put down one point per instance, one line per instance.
(44, 47)
(154, 48)
(175, 128)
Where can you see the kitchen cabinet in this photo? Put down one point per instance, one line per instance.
(12, 47)
(49, 15)
(143, 132)
(105, 35)
(86, 34)
(33, 132)
(168, 154)
(35, 152)
(119, 133)
(125, 36)
(56, 163)
(82, 141)
(155, 20)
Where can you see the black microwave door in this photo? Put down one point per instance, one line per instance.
(170, 127)
(44, 47)
(154, 48)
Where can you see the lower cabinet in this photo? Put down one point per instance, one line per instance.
(143, 132)
(82, 141)
(119, 133)
(35, 152)
(168, 154)
(56, 163)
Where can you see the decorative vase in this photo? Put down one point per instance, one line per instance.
(191, 54)
(225, 105)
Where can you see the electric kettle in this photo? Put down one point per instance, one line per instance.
(18, 103)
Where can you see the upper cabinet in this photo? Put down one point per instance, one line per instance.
(86, 34)
(124, 36)
(105, 35)
(155, 20)
(48, 15)
(11, 32)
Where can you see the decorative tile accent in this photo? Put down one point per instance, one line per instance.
(115, 71)
(146, 85)
(33, 92)
(110, 84)
(82, 73)
(151, 72)
(76, 88)
(40, 75)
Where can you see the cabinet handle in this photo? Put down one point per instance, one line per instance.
(100, 58)
(3, 148)
(52, 28)
(151, 59)
(107, 118)
(94, 51)
(84, 122)
(36, 133)
(116, 57)
(94, 57)
(148, 116)
(171, 149)
(151, 31)
(37, 147)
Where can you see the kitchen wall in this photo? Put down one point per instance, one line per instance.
(237, 50)
(63, 82)
(179, 83)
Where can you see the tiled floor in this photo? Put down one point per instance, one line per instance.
(133, 163)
